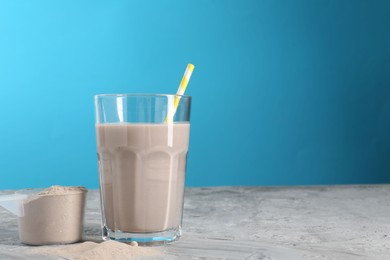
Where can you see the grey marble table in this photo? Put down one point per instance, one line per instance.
(324, 222)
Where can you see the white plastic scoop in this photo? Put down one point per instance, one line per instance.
(48, 216)
(14, 203)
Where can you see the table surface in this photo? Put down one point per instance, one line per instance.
(320, 222)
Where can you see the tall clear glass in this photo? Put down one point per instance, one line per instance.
(142, 165)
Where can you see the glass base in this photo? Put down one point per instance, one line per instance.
(143, 239)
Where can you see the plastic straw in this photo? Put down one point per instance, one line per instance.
(180, 92)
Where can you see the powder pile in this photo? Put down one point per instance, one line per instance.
(62, 190)
(53, 216)
(107, 250)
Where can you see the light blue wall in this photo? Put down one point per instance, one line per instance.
(284, 92)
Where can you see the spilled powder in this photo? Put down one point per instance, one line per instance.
(107, 250)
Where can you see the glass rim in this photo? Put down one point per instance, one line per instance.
(140, 95)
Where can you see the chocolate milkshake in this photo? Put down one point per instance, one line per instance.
(142, 174)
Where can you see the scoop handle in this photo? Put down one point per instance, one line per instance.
(13, 203)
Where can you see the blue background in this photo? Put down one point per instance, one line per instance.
(284, 92)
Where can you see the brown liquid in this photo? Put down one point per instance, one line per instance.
(142, 174)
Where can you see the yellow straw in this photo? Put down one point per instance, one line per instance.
(180, 91)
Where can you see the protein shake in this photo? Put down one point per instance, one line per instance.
(142, 145)
(142, 175)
